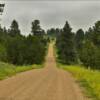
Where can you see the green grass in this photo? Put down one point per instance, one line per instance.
(7, 70)
(90, 79)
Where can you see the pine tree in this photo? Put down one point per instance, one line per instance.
(14, 29)
(79, 38)
(96, 34)
(36, 29)
(66, 46)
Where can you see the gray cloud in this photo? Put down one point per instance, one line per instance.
(80, 14)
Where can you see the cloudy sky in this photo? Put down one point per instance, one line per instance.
(80, 14)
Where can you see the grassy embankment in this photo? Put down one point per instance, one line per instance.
(7, 70)
(90, 79)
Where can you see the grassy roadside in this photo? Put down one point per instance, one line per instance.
(7, 70)
(89, 79)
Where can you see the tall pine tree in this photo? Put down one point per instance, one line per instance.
(14, 29)
(79, 38)
(36, 28)
(66, 49)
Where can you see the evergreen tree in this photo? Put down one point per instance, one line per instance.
(90, 52)
(52, 33)
(66, 51)
(90, 55)
(88, 34)
(96, 34)
(14, 29)
(36, 29)
(79, 38)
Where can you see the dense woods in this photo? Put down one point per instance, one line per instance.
(20, 50)
(81, 47)
(72, 48)
(90, 51)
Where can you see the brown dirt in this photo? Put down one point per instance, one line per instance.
(49, 83)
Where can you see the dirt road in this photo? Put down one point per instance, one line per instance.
(49, 83)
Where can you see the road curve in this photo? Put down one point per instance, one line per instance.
(49, 83)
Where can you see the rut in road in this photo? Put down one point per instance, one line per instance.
(49, 83)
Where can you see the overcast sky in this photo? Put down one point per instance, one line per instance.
(80, 14)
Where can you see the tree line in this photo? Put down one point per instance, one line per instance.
(18, 49)
(80, 47)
